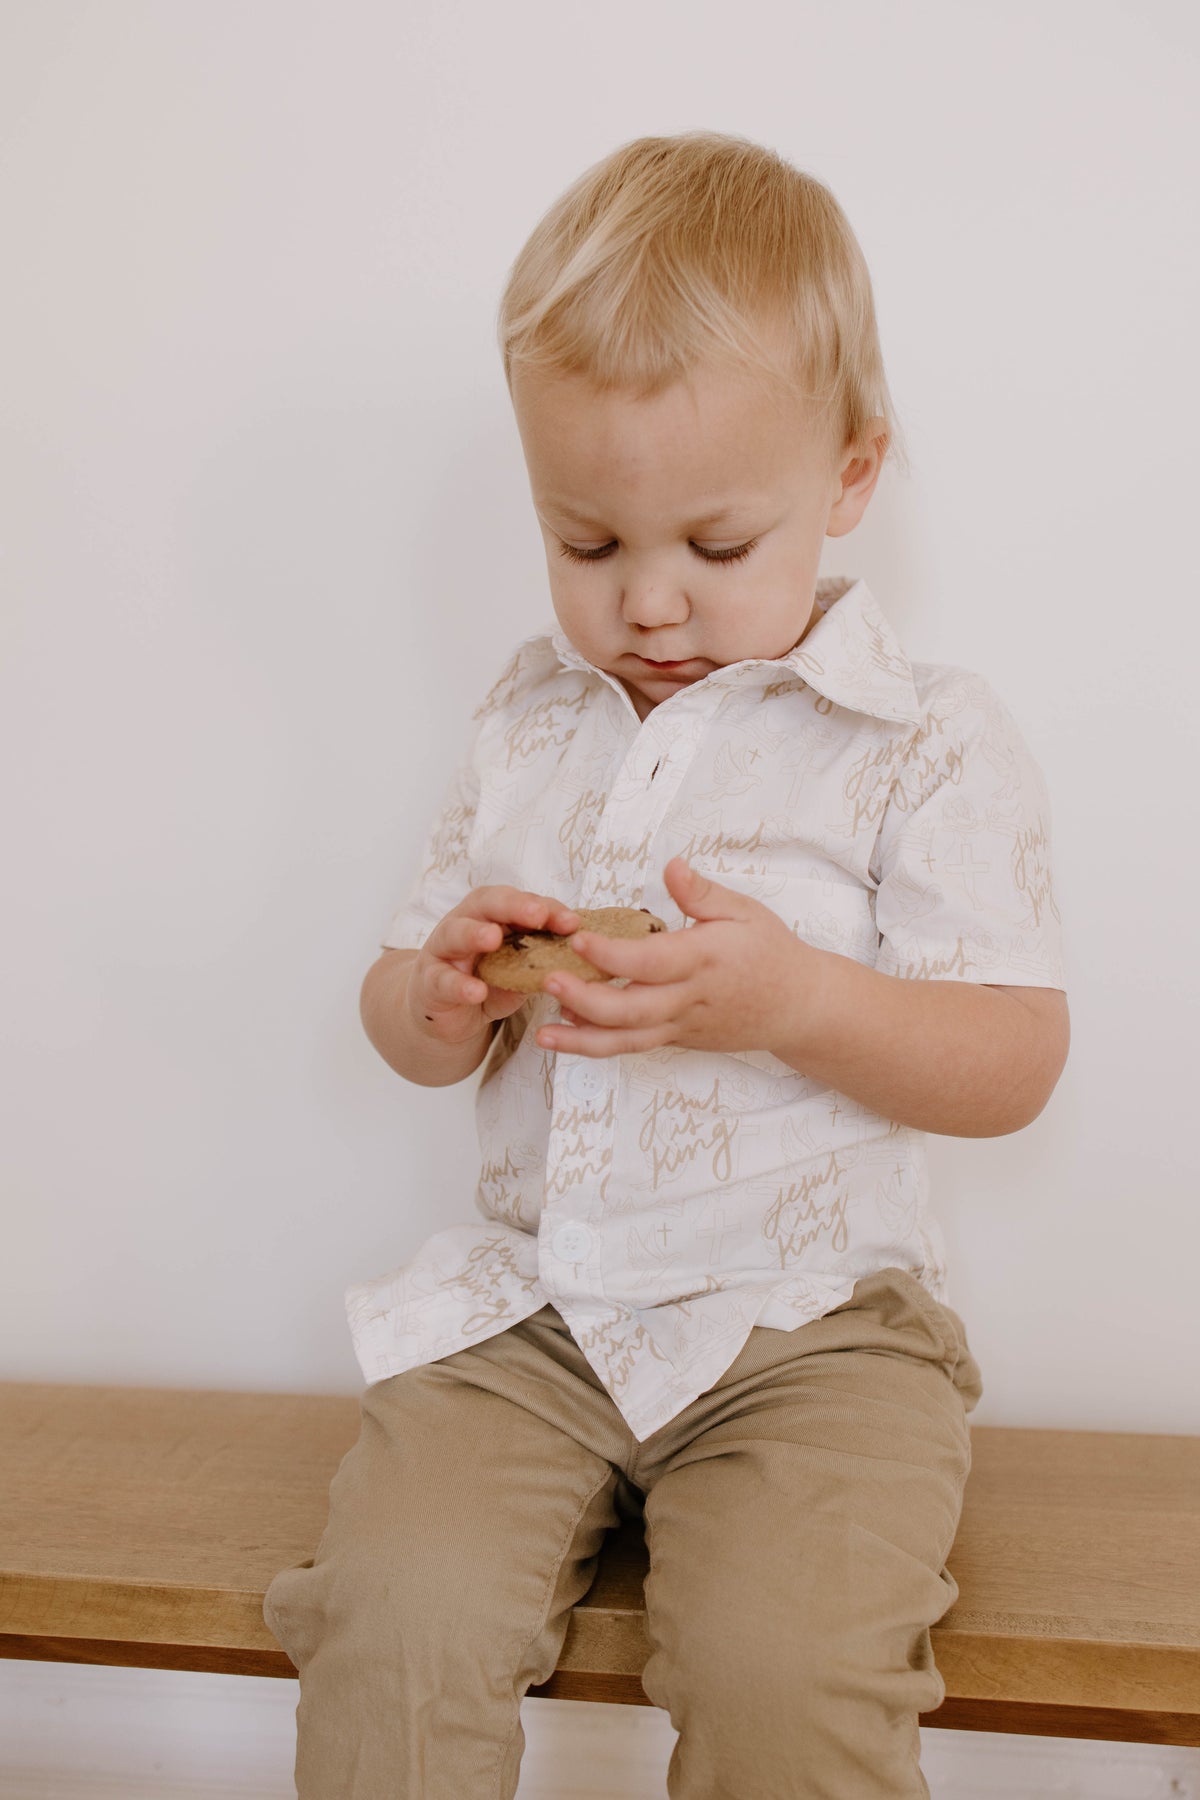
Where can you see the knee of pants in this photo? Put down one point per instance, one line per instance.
(391, 1595)
(839, 1617)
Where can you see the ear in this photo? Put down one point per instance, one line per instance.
(855, 476)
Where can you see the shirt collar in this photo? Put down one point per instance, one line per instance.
(851, 656)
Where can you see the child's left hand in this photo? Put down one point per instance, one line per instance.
(739, 979)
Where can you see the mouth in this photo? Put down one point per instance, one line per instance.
(666, 668)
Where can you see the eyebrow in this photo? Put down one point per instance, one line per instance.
(714, 518)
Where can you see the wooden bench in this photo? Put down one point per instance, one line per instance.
(142, 1526)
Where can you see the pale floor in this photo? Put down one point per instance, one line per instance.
(69, 1732)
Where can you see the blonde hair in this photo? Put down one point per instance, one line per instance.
(676, 251)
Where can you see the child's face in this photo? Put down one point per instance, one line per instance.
(628, 484)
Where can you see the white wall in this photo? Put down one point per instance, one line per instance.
(265, 535)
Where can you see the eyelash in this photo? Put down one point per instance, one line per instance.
(713, 556)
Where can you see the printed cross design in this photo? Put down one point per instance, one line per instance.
(719, 1230)
(967, 866)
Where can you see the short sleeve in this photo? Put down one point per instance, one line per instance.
(444, 877)
(965, 886)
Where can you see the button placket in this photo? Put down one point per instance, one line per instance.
(584, 1080)
(648, 777)
(579, 1135)
(646, 783)
(572, 1242)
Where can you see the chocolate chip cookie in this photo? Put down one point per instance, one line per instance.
(525, 958)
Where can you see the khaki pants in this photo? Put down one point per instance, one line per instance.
(798, 1517)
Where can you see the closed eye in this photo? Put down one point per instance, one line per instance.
(715, 556)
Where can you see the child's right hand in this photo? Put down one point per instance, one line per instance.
(446, 1000)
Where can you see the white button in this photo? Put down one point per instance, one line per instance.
(585, 1081)
(571, 1242)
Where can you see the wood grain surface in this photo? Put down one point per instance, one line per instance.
(142, 1526)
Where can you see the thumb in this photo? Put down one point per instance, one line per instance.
(698, 897)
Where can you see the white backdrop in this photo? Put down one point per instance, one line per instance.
(265, 537)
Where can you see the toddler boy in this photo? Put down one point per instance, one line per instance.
(706, 1286)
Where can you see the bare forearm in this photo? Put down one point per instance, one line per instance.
(390, 1027)
(953, 1057)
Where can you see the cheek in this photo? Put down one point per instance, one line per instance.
(571, 605)
(775, 616)
(753, 617)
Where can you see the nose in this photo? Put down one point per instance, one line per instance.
(649, 605)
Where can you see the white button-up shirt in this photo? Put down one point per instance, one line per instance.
(667, 1201)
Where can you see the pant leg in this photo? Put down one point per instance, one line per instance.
(798, 1519)
(463, 1526)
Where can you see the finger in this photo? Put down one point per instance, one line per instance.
(662, 956)
(449, 987)
(501, 1002)
(505, 905)
(595, 1041)
(562, 919)
(460, 937)
(631, 1008)
(549, 915)
(699, 897)
(515, 906)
